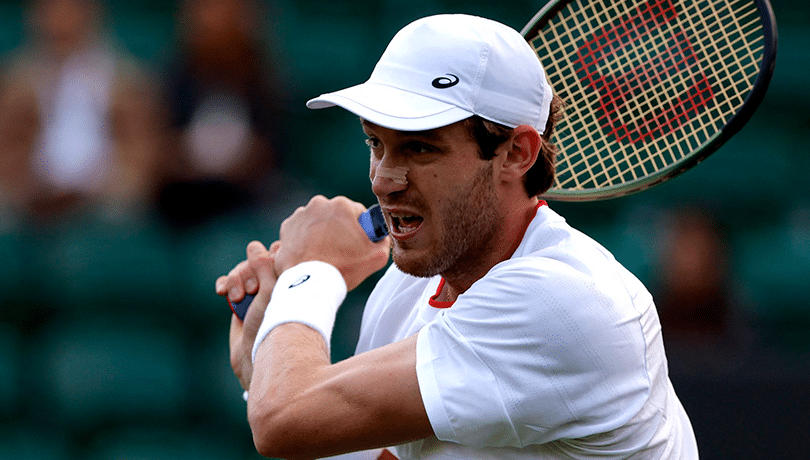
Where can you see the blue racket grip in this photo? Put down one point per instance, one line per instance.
(372, 222)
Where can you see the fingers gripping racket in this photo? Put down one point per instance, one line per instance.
(372, 222)
(651, 87)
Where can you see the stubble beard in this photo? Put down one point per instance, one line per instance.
(470, 222)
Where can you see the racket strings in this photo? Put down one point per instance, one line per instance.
(653, 65)
(595, 164)
(655, 73)
(735, 55)
(631, 29)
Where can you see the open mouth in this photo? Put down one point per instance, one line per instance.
(404, 225)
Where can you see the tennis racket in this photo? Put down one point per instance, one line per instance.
(371, 221)
(651, 87)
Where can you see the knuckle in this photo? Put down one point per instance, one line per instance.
(254, 248)
(317, 200)
(298, 211)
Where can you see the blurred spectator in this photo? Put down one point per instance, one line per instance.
(78, 120)
(224, 103)
(701, 318)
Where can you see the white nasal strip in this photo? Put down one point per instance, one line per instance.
(395, 174)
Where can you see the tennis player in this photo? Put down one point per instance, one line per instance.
(499, 332)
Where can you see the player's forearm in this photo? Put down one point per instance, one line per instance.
(288, 404)
(301, 406)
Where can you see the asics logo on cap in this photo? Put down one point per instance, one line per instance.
(444, 82)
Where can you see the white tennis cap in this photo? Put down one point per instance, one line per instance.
(442, 69)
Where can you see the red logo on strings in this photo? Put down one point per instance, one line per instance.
(647, 82)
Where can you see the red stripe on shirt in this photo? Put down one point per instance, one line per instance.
(387, 455)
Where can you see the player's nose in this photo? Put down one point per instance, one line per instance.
(387, 179)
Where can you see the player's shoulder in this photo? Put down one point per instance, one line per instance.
(528, 279)
(550, 243)
(549, 232)
(557, 262)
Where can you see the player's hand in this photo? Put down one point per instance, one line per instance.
(253, 276)
(327, 230)
(239, 281)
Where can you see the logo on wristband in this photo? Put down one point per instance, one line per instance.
(299, 281)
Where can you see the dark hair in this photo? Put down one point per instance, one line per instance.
(489, 135)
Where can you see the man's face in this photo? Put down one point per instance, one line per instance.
(444, 218)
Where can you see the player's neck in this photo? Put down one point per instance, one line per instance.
(507, 241)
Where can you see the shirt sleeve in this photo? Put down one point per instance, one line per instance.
(533, 352)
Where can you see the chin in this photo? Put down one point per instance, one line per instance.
(412, 264)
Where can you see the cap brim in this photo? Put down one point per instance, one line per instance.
(391, 107)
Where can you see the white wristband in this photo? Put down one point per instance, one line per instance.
(309, 293)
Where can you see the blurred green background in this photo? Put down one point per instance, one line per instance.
(114, 346)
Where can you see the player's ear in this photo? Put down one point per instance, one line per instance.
(523, 148)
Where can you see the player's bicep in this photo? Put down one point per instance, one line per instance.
(382, 396)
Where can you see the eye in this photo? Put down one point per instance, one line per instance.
(419, 148)
(374, 145)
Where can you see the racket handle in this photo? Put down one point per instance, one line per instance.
(372, 222)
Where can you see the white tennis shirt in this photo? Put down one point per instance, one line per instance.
(556, 353)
